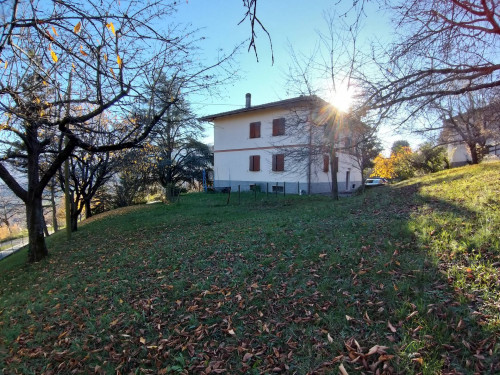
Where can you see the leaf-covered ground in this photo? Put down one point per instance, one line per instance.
(402, 280)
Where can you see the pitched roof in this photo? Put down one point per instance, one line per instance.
(312, 99)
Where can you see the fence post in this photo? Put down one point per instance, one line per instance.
(276, 190)
(267, 189)
(298, 188)
(284, 188)
(239, 196)
(255, 192)
(228, 196)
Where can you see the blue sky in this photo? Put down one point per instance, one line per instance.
(291, 22)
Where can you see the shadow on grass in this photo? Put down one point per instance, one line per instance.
(294, 285)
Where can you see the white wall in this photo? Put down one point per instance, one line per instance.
(233, 148)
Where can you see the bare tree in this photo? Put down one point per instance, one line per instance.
(66, 63)
(472, 118)
(443, 48)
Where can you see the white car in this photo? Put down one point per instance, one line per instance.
(375, 182)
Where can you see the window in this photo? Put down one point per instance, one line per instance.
(278, 162)
(255, 129)
(326, 163)
(255, 163)
(278, 126)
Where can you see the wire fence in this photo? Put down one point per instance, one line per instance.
(242, 193)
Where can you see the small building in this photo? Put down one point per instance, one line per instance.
(284, 145)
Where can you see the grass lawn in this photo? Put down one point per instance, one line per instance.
(403, 279)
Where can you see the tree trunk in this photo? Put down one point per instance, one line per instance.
(74, 217)
(37, 250)
(473, 153)
(34, 215)
(54, 207)
(45, 229)
(334, 169)
(88, 211)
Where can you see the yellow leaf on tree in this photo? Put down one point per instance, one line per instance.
(5, 66)
(119, 60)
(77, 28)
(54, 30)
(111, 27)
(54, 56)
(105, 57)
(82, 51)
(112, 72)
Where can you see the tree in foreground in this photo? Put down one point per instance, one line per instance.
(65, 63)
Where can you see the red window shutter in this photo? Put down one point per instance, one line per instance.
(278, 126)
(278, 163)
(255, 129)
(326, 163)
(255, 163)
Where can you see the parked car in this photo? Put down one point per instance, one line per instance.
(377, 181)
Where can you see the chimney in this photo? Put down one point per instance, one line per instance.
(248, 102)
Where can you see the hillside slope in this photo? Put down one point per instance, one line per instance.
(403, 279)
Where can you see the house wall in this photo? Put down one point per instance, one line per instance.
(458, 154)
(233, 148)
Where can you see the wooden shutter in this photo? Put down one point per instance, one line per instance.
(278, 126)
(255, 163)
(326, 163)
(279, 162)
(255, 129)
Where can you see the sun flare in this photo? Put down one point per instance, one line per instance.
(341, 98)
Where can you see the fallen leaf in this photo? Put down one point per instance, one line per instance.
(330, 339)
(342, 369)
(385, 357)
(247, 356)
(377, 349)
(418, 360)
(391, 327)
(142, 340)
(231, 332)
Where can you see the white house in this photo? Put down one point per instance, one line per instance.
(475, 130)
(280, 146)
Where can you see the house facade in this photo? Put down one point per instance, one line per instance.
(279, 146)
(476, 130)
